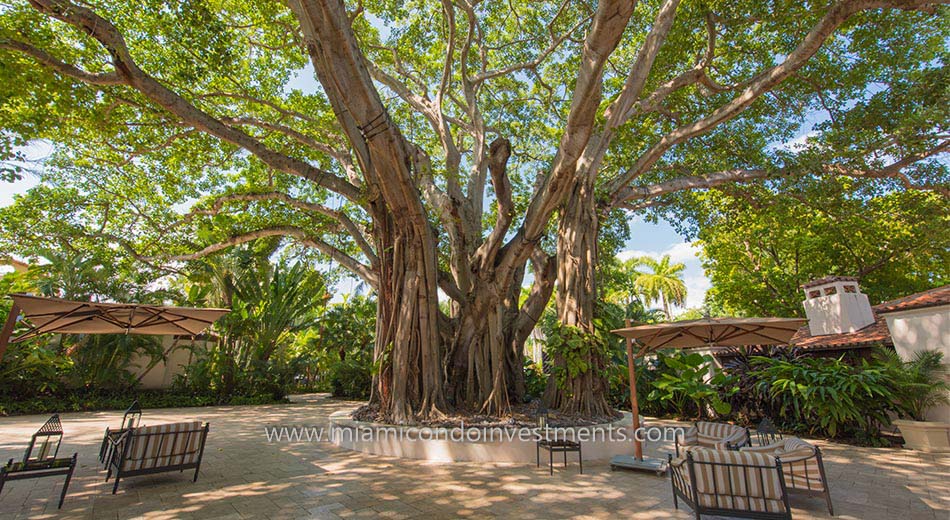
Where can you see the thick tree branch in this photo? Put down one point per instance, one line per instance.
(646, 56)
(126, 68)
(758, 86)
(643, 197)
(895, 170)
(296, 233)
(610, 21)
(341, 156)
(544, 267)
(44, 58)
(499, 153)
(258, 101)
(352, 228)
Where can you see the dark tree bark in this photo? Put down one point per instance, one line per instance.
(586, 393)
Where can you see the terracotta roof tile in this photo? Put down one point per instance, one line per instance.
(876, 333)
(931, 298)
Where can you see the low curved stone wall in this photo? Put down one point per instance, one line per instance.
(474, 444)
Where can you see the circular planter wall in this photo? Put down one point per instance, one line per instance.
(474, 444)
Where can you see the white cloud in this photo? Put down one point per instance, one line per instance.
(696, 287)
(679, 252)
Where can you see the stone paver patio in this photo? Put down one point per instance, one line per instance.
(244, 476)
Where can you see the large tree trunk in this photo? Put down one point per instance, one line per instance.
(478, 374)
(407, 352)
(410, 379)
(485, 360)
(586, 393)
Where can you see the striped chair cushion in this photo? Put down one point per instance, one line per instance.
(713, 435)
(720, 431)
(163, 445)
(753, 486)
(800, 465)
(799, 462)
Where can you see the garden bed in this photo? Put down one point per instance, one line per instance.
(89, 401)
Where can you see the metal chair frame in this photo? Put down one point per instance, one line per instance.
(130, 419)
(688, 492)
(42, 461)
(121, 446)
(559, 446)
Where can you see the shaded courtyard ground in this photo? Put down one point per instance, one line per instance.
(245, 476)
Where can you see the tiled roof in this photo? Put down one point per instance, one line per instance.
(931, 298)
(876, 333)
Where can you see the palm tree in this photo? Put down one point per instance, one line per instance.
(664, 284)
(619, 284)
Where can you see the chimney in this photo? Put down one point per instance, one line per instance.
(836, 305)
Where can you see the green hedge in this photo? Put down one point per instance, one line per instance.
(87, 401)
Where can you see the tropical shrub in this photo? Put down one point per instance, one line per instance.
(648, 370)
(918, 384)
(828, 396)
(751, 402)
(33, 368)
(692, 380)
(336, 355)
(93, 400)
(270, 305)
(352, 379)
(535, 380)
(104, 360)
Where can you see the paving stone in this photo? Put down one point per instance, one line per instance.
(245, 476)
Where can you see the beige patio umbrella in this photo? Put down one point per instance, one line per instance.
(55, 315)
(706, 332)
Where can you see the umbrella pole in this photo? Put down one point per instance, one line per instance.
(634, 406)
(8, 329)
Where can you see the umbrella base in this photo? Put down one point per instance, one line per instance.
(655, 465)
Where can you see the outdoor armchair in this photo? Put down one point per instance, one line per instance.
(40, 459)
(802, 465)
(156, 449)
(730, 483)
(720, 436)
(130, 419)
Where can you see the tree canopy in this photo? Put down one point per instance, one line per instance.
(760, 245)
(441, 139)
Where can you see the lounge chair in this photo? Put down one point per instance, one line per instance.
(40, 458)
(720, 436)
(729, 483)
(156, 449)
(130, 419)
(802, 465)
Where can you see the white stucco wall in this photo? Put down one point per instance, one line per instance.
(178, 355)
(923, 329)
